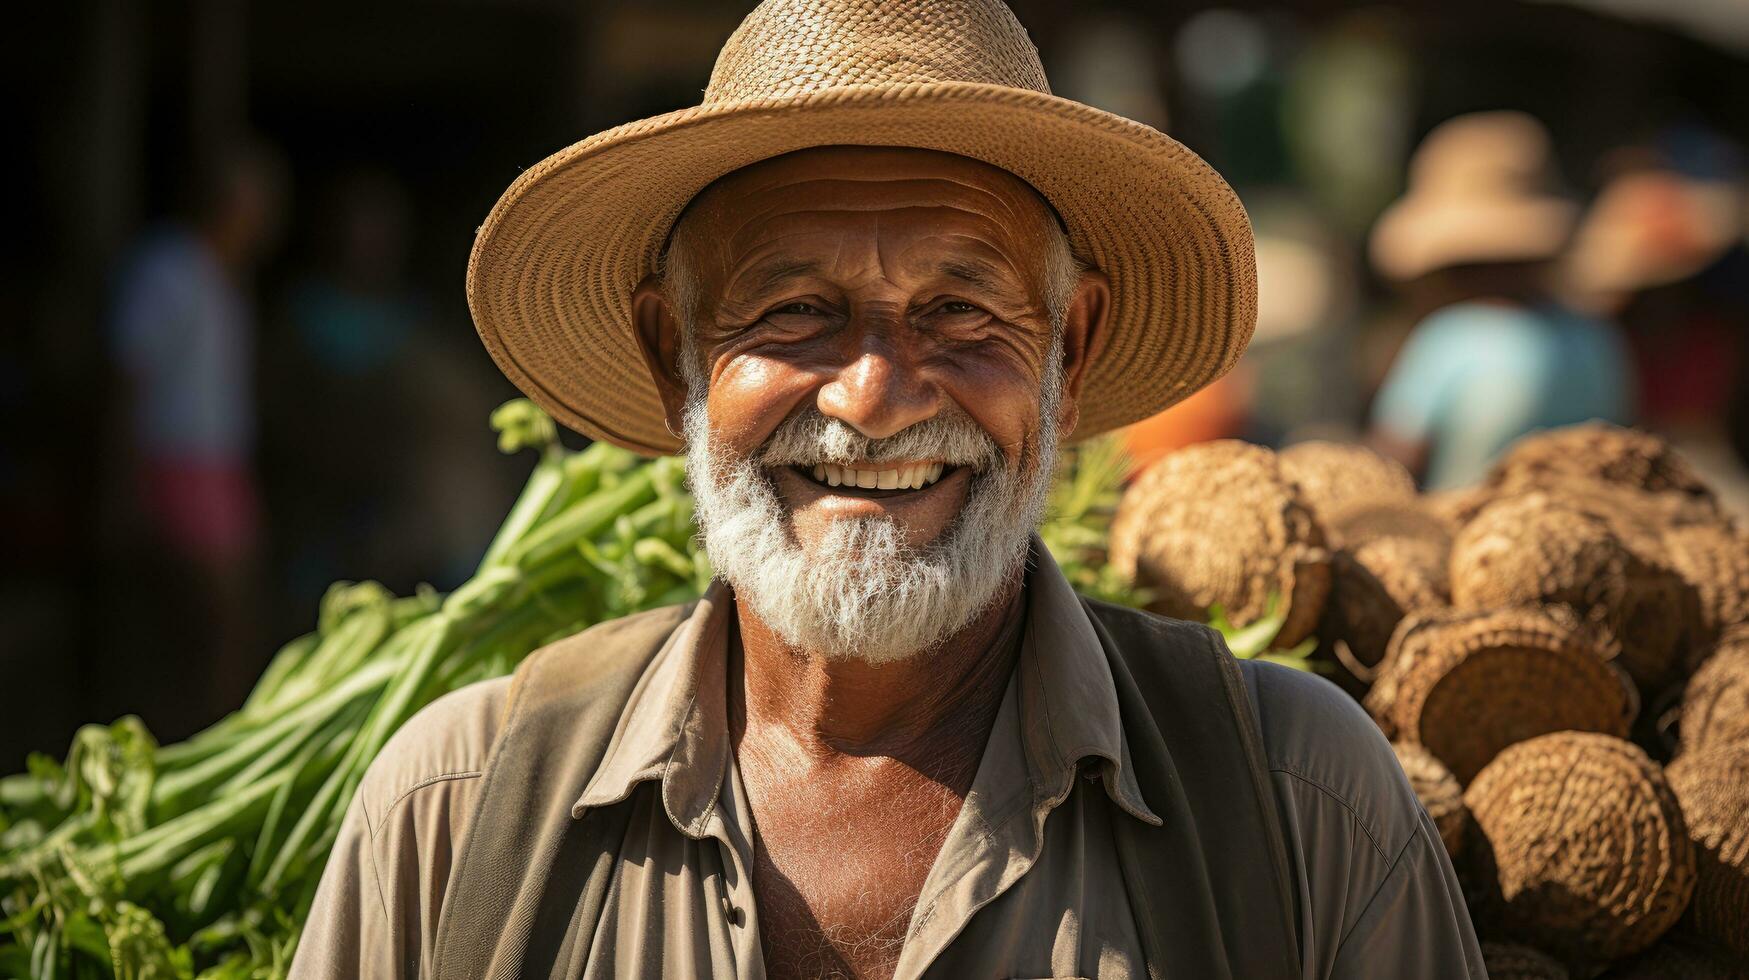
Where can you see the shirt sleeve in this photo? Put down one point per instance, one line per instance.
(347, 932)
(1416, 923)
(1376, 893)
(376, 909)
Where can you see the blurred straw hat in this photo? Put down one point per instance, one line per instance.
(1478, 192)
(1648, 229)
(555, 263)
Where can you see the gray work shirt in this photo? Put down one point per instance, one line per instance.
(1027, 883)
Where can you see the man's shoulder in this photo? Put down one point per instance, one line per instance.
(452, 739)
(448, 740)
(1315, 733)
(1164, 635)
(1312, 731)
(599, 661)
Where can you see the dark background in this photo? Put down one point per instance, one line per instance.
(434, 106)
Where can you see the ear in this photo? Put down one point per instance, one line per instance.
(658, 331)
(1084, 333)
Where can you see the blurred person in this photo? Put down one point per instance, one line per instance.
(336, 370)
(369, 407)
(1494, 355)
(183, 330)
(1655, 251)
(1662, 252)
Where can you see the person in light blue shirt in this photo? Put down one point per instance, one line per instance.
(1478, 374)
(1473, 241)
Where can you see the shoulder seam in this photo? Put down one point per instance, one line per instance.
(421, 784)
(1390, 872)
(1322, 787)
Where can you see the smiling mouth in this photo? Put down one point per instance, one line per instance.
(915, 476)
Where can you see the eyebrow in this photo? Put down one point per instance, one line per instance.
(983, 275)
(768, 275)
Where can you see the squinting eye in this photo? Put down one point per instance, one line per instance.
(798, 309)
(958, 306)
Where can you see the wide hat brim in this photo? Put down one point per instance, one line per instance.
(554, 266)
(1422, 234)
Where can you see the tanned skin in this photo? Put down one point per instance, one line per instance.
(881, 286)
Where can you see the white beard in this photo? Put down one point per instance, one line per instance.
(861, 592)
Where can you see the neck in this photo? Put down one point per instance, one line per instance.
(839, 706)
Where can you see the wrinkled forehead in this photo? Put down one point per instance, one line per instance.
(855, 185)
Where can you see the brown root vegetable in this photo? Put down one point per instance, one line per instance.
(1536, 549)
(1335, 475)
(1713, 559)
(1439, 792)
(1218, 524)
(1370, 520)
(1584, 845)
(1511, 961)
(1456, 506)
(1604, 453)
(1712, 785)
(1373, 586)
(1424, 636)
(1501, 679)
(1715, 704)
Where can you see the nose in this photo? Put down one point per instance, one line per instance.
(879, 393)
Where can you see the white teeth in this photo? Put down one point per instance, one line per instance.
(913, 477)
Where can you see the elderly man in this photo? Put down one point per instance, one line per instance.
(869, 286)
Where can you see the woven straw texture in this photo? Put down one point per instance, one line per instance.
(1423, 633)
(554, 265)
(1586, 845)
(1218, 523)
(1498, 682)
(1458, 505)
(1510, 961)
(1360, 521)
(1715, 704)
(1536, 548)
(1373, 586)
(1335, 475)
(1439, 792)
(1603, 452)
(1712, 784)
(1714, 560)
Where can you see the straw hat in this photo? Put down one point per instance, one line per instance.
(1651, 229)
(555, 263)
(1478, 192)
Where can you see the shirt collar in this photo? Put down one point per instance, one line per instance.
(674, 727)
(1068, 699)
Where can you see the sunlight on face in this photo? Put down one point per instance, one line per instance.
(873, 373)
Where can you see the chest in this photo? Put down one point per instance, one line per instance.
(838, 868)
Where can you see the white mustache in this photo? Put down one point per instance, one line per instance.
(811, 438)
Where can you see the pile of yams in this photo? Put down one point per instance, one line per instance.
(1560, 657)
